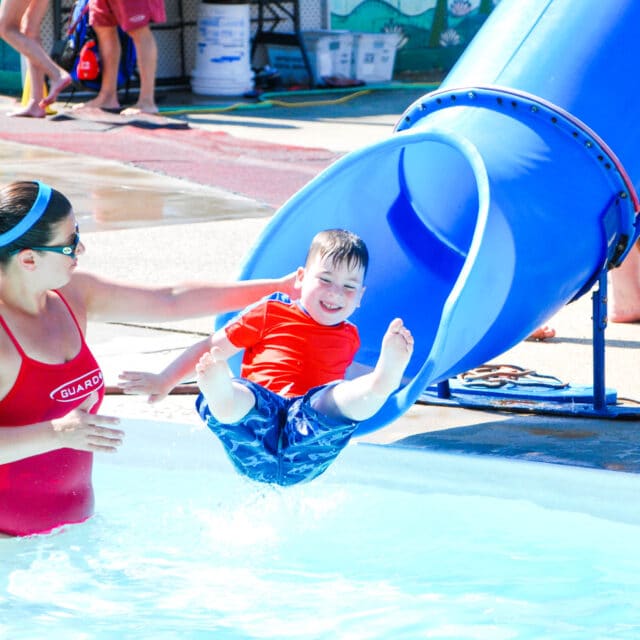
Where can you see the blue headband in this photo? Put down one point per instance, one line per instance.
(33, 215)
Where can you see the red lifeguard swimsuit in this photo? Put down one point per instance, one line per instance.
(47, 490)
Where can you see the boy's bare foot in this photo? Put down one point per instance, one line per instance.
(215, 382)
(56, 86)
(31, 110)
(395, 353)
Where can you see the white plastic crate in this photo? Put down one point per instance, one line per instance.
(374, 55)
(330, 54)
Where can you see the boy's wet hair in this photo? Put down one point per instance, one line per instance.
(341, 247)
(16, 199)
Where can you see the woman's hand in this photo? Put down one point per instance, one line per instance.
(85, 431)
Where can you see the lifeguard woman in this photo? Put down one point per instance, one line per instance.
(50, 383)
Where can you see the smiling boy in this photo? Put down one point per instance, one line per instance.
(291, 412)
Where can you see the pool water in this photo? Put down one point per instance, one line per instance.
(389, 543)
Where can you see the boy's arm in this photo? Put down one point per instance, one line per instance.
(159, 385)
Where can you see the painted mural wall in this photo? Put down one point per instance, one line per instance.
(432, 33)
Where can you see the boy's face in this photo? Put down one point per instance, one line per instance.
(330, 292)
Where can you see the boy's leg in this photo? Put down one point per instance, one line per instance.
(311, 440)
(147, 53)
(363, 397)
(252, 443)
(109, 47)
(228, 401)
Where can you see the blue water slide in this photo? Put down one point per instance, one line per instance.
(498, 199)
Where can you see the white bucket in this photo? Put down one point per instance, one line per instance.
(223, 65)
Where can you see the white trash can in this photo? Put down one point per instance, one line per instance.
(223, 65)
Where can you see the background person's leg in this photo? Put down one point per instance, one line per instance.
(109, 47)
(147, 54)
(624, 289)
(20, 24)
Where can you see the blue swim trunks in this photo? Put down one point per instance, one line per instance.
(281, 440)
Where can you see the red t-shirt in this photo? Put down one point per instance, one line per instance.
(286, 350)
(47, 490)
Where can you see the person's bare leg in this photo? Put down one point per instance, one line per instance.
(227, 400)
(56, 86)
(30, 26)
(624, 289)
(20, 24)
(109, 47)
(32, 108)
(147, 52)
(363, 397)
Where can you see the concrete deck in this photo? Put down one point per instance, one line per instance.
(226, 174)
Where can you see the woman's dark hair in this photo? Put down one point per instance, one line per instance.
(16, 200)
(340, 246)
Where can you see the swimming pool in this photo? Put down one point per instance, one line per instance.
(389, 543)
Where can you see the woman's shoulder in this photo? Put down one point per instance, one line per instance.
(83, 285)
(76, 293)
(76, 287)
(83, 279)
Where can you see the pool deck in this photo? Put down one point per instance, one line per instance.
(252, 160)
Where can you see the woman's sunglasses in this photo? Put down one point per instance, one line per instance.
(64, 249)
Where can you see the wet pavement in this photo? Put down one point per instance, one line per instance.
(111, 195)
(204, 190)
